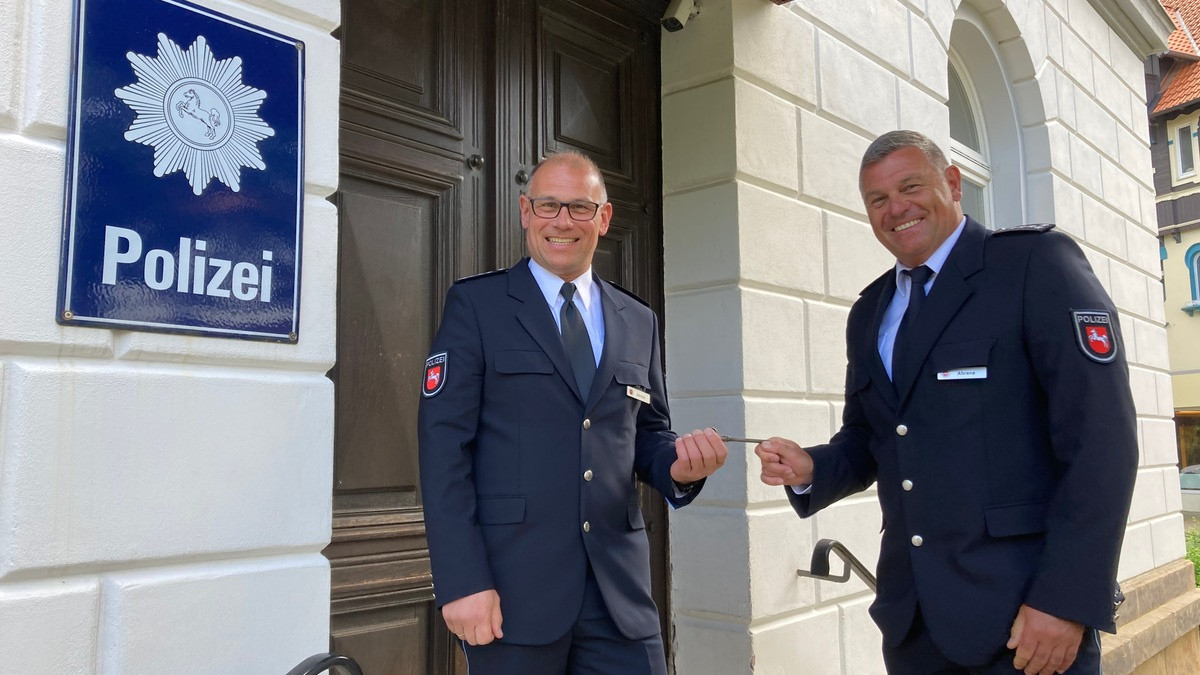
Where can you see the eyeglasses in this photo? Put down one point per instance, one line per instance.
(550, 208)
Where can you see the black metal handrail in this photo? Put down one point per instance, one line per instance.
(319, 663)
(820, 564)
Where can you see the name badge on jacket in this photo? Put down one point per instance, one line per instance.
(976, 373)
(637, 394)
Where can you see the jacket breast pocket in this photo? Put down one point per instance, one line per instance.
(512, 362)
(957, 356)
(633, 374)
(500, 510)
(1012, 520)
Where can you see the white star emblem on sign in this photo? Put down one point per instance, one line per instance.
(196, 113)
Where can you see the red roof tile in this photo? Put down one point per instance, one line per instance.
(1182, 87)
(1185, 14)
(1181, 84)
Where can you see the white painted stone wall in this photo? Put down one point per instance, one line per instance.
(163, 499)
(766, 113)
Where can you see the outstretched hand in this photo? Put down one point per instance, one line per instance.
(697, 455)
(784, 462)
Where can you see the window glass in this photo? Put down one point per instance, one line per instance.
(972, 201)
(962, 118)
(968, 146)
(1183, 147)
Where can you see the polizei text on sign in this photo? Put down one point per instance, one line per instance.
(191, 268)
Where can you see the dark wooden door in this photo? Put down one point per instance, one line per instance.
(445, 107)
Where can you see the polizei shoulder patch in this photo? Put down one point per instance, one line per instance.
(1094, 333)
(435, 375)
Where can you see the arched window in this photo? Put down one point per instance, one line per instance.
(968, 147)
(1192, 260)
(985, 139)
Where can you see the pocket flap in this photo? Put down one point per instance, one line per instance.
(1016, 519)
(500, 510)
(635, 517)
(633, 373)
(513, 361)
(961, 354)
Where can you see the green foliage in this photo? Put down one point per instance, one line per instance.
(1192, 540)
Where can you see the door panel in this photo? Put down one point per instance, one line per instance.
(596, 75)
(379, 220)
(409, 224)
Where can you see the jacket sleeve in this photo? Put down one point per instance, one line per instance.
(844, 465)
(1092, 427)
(654, 450)
(447, 426)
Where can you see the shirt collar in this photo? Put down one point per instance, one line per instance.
(938, 259)
(550, 285)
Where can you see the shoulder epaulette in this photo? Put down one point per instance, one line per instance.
(628, 292)
(481, 275)
(1036, 227)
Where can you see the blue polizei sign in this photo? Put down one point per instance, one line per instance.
(185, 182)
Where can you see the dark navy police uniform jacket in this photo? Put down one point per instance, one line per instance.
(998, 490)
(525, 480)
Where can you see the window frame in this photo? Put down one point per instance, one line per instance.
(974, 165)
(982, 68)
(1174, 127)
(1191, 258)
(1185, 131)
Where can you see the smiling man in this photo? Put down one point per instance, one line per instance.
(987, 395)
(543, 403)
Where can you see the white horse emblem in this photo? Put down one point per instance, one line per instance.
(211, 118)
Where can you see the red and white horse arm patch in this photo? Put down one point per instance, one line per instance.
(1094, 334)
(435, 375)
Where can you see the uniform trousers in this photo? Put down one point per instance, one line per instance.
(593, 646)
(917, 655)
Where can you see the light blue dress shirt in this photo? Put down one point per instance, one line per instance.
(888, 328)
(587, 301)
(886, 341)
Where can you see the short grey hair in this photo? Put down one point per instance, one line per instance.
(574, 158)
(898, 140)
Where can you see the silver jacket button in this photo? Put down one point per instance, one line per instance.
(587, 424)
(917, 540)
(901, 430)
(587, 475)
(906, 484)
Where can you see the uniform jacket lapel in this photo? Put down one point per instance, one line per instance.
(951, 289)
(883, 290)
(536, 317)
(616, 336)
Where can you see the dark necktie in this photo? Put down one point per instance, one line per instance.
(576, 341)
(916, 297)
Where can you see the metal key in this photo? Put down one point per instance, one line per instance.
(735, 439)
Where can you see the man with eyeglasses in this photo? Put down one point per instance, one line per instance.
(543, 404)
